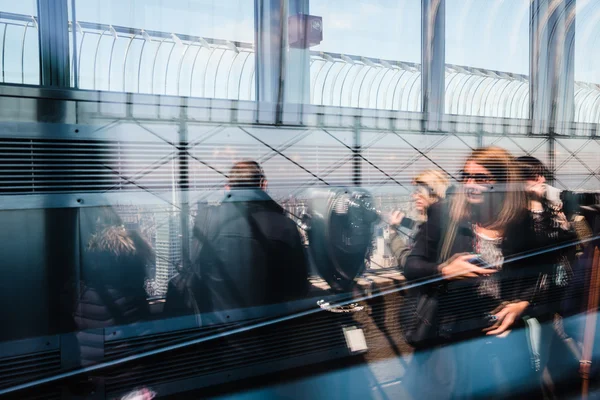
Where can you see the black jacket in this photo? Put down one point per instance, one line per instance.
(112, 288)
(527, 260)
(249, 254)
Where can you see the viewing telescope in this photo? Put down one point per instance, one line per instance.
(339, 223)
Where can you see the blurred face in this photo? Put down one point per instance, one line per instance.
(536, 187)
(476, 180)
(422, 198)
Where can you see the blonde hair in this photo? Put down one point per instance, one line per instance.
(503, 169)
(437, 181)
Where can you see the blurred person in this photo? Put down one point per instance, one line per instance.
(113, 279)
(112, 288)
(482, 290)
(248, 264)
(552, 227)
(536, 176)
(430, 187)
(248, 253)
(550, 222)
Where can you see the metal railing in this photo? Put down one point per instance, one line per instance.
(135, 60)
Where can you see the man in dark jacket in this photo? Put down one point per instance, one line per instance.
(249, 254)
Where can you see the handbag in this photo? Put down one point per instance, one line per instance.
(419, 312)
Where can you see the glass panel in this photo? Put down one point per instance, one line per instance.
(180, 247)
(19, 36)
(587, 75)
(200, 48)
(154, 232)
(364, 59)
(487, 58)
(26, 7)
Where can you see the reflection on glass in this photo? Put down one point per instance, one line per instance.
(487, 58)
(150, 233)
(115, 259)
(137, 230)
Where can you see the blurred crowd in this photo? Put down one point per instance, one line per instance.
(490, 258)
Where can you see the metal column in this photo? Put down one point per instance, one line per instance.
(61, 226)
(297, 71)
(552, 60)
(356, 156)
(53, 33)
(282, 75)
(183, 182)
(433, 59)
(269, 57)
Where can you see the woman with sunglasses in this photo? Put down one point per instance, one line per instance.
(430, 186)
(486, 285)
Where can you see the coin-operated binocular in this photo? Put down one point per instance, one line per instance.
(339, 224)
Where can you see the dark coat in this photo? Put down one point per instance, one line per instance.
(112, 288)
(526, 261)
(249, 254)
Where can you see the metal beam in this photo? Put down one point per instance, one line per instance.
(60, 226)
(270, 58)
(433, 57)
(297, 88)
(282, 74)
(552, 32)
(552, 60)
(53, 33)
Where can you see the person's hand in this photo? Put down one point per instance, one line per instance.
(506, 316)
(396, 218)
(563, 221)
(459, 267)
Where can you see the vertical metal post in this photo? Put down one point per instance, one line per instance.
(184, 183)
(268, 36)
(433, 59)
(552, 34)
(356, 157)
(53, 34)
(282, 42)
(74, 41)
(282, 74)
(297, 88)
(551, 156)
(61, 226)
(552, 60)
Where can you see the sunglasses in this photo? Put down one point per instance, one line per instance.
(479, 179)
(423, 189)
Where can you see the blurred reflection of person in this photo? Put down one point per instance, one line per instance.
(484, 291)
(550, 222)
(113, 278)
(112, 288)
(430, 187)
(248, 252)
(535, 176)
(550, 225)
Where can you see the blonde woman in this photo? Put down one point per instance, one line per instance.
(430, 187)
